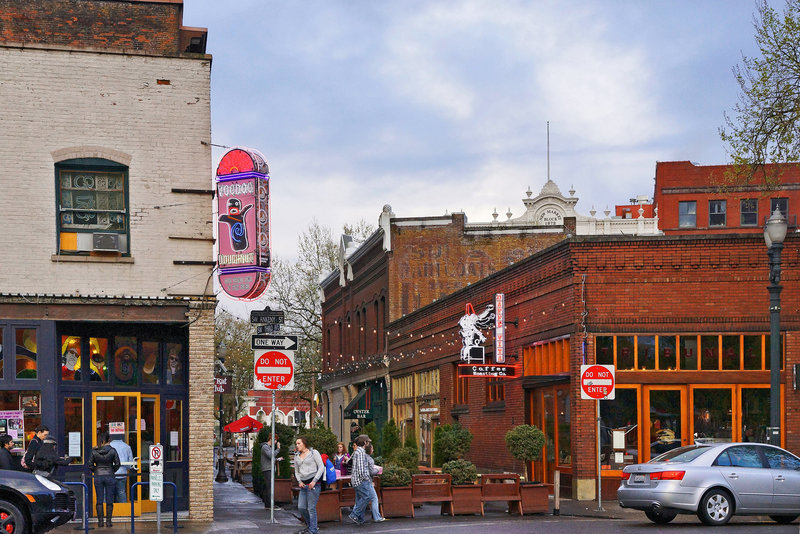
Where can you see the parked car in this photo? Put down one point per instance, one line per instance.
(715, 481)
(32, 503)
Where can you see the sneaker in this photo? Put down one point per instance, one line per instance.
(355, 520)
(381, 520)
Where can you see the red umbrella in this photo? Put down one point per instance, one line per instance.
(245, 424)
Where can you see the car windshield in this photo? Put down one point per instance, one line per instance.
(681, 454)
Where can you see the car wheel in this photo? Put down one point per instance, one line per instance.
(662, 517)
(783, 519)
(12, 520)
(716, 507)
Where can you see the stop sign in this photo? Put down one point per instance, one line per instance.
(597, 382)
(273, 369)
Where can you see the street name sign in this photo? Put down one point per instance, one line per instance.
(597, 382)
(273, 342)
(268, 328)
(273, 369)
(266, 316)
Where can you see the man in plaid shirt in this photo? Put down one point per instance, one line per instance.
(360, 479)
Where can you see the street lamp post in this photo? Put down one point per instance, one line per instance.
(221, 476)
(774, 234)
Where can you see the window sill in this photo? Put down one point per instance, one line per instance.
(497, 406)
(460, 409)
(74, 258)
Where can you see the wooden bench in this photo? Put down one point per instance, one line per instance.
(432, 488)
(502, 488)
(241, 465)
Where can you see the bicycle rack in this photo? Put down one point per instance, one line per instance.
(85, 503)
(175, 525)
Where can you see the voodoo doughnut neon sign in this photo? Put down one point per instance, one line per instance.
(243, 223)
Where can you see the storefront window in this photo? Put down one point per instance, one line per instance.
(755, 414)
(709, 350)
(174, 419)
(26, 352)
(564, 448)
(73, 429)
(667, 355)
(753, 353)
(20, 413)
(665, 428)
(689, 353)
(151, 370)
(604, 349)
(70, 358)
(619, 435)
(98, 364)
(625, 353)
(646, 352)
(731, 352)
(713, 409)
(549, 432)
(174, 371)
(125, 360)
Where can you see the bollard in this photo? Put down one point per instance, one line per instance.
(85, 527)
(557, 492)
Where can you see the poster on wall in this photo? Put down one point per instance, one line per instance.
(30, 404)
(13, 421)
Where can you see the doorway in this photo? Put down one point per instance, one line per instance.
(551, 412)
(133, 418)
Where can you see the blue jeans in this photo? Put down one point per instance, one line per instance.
(376, 509)
(364, 493)
(104, 489)
(120, 494)
(307, 504)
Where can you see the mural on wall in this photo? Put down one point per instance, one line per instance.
(243, 207)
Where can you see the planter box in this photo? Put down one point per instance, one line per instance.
(397, 502)
(283, 490)
(467, 499)
(535, 498)
(328, 506)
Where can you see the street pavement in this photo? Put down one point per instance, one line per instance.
(237, 510)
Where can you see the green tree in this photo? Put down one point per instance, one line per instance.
(764, 127)
(321, 438)
(284, 435)
(450, 442)
(391, 438)
(371, 430)
(525, 443)
(235, 334)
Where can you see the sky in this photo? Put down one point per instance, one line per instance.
(441, 106)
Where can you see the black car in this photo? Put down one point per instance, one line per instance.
(32, 504)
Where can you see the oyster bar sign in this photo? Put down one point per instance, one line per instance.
(243, 223)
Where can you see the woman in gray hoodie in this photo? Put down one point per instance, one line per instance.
(308, 469)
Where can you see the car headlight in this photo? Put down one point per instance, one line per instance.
(49, 484)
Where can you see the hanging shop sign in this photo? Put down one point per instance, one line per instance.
(472, 350)
(472, 338)
(243, 223)
(223, 384)
(500, 328)
(489, 370)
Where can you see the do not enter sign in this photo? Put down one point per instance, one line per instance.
(597, 382)
(274, 369)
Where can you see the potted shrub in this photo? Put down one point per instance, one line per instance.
(525, 443)
(396, 491)
(406, 457)
(466, 494)
(450, 442)
(324, 441)
(390, 439)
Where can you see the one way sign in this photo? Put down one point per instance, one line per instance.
(274, 342)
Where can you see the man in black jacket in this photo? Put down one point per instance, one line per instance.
(6, 460)
(33, 447)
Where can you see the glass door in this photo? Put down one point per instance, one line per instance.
(133, 419)
(665, 425)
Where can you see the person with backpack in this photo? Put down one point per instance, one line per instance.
(47, 460)
(309, 470)
(41, 432)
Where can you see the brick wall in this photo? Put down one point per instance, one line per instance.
(201, 408)
(67, 104)
(150, 27)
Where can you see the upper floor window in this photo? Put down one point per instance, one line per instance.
(716, 212)
(748, 212)
(780, 203)
(92, 206)
(687, 214)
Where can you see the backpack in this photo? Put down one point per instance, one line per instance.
(330, 472)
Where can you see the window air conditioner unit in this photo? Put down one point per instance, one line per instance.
(105, 242)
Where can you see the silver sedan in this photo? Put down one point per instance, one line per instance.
(715, 481)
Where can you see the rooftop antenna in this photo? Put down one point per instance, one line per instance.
(548, 151)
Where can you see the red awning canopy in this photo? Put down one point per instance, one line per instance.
(245, 424)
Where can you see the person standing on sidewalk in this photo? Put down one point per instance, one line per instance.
(104, 462)
(308, 469)
(360, 479)
(126, 461)
(33, 447)
(6, 459)
(267, 458)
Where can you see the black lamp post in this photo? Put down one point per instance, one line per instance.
(222, 350)
(774, 234)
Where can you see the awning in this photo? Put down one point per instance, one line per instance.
(245, 424)
(359, 407)
(538, 381)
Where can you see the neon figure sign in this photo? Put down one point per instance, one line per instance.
(243, 224)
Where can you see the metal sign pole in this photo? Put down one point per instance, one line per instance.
(599, 478)
(158, 517)
(272, 471)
